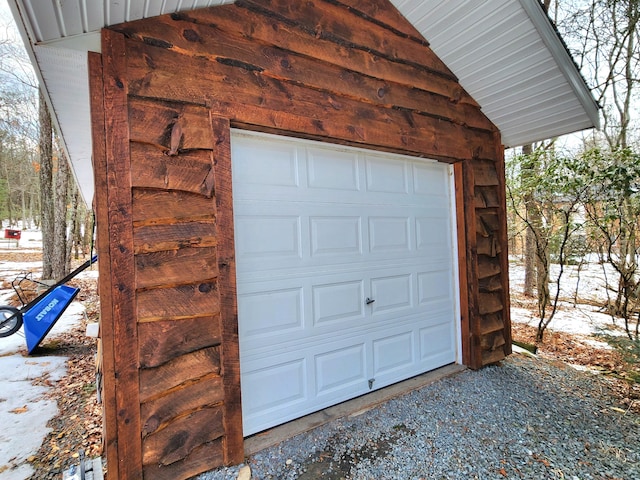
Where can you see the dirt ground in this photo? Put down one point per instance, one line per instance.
(77, 430)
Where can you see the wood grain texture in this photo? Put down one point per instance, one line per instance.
(157, 238)
(200, 459)
(265, 30)
(326, 20)
(256, 97)
(503, 237)
(200, 300)
(274, 62)
(163, 341)
(171, 267)
(163, 373)
(234, 451)
(190, 171)
(463, 272)
(121, 257)
(159, 412)
(152, 123)
(179, 438)
(154, 207)
(106, 351)
(472, 267)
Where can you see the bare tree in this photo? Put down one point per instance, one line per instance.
(46, 189)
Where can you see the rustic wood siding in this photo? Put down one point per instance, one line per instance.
(352, 72)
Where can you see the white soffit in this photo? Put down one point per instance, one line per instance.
(505, 53)
(509, 58)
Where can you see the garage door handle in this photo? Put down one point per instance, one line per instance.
(369, 301)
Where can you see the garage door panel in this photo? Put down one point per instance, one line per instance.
(268, 236)
(436, 341)
(333, 170)
(433, 232)
(340, 369)
(387, 177)
(392, 293)
(336, 235)
(389, 234)
(434, 286)
(338, 302)
(264, 163)
(392, 353)
(274, 387)
(430, 180)
(275, 312)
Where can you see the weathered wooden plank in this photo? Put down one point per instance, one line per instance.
(159, 412)
(190, 171)
(503, 239)
(461, 233)
(107, 340)
(487, 222)
(493, 356)
(486, 173)
(471, 349)
(152, 207)
(382, 11)
(155, 238)
(178, 439)
(234, 446)
(490, 284)
(491, 323)
(487, 197)
(176, 267)
(488, 267)
(121, 257)
(338, 25)
(207, 41)
(493, 341)
(201, 459)
(250, 97)
(488, 245)
(161, 342)
(490, 302)
(179, 302)
(182, 369)
(270, 32)
(152, 122)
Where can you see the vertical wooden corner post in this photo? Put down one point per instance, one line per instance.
(230, 356)
(115, 250)
(96, 88)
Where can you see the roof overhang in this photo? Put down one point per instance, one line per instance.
(505, 53)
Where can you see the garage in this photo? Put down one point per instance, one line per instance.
(346, 273)
(247, 279)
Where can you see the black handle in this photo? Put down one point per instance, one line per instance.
(369, 301)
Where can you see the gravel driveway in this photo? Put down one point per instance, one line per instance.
(523, 419)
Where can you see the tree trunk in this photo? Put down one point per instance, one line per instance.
(530, 238)
(46, 188)
(73, 221)
(59, 260)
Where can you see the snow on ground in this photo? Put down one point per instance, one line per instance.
(578, 318)
(25, 409)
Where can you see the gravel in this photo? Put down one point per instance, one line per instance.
(522, 419)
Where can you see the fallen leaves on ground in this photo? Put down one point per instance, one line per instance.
(586, 351)
(19, 410)
(78, 427)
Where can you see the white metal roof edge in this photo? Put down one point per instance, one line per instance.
(566, 64)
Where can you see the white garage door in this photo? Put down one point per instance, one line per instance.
(346, 273)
